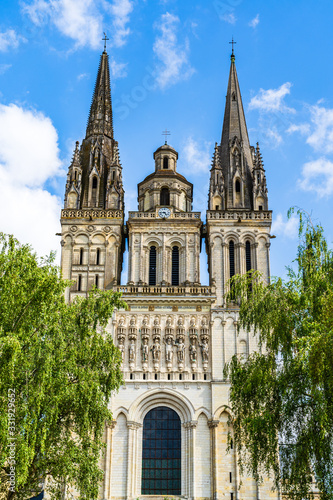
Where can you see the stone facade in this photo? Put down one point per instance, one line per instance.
(177, 334)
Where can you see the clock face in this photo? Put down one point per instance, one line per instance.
(164, 212)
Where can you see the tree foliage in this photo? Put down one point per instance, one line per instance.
(58, 368)
(282, 396)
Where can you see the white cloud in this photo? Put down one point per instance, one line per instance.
(4, 68)
(287, 228)
(120, 10)
(29, 156)
(173, 55)
(196, 156)
(272, 100)
(273, 136)
(321, 139)
(118, 70)
(10, 40)
(317, 176)
(83, 20)
(254, 22)
(302, 128)
(82, 76)
(229, 18)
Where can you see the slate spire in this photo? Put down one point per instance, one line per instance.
(236, 156)
(234, 124)
(100, 121)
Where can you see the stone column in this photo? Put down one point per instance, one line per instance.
(132, 459)
(226, 271)
(189, 460)
(212, 424)
(223, 323)
(108, 459)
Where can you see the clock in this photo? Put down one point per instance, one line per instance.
(164, 212)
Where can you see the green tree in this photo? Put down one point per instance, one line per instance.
(58, 368)
(282, 397)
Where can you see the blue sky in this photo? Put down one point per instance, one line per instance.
(170, 63)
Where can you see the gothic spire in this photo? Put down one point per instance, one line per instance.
(234, 124)
(100, 117)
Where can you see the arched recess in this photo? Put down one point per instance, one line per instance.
(152, 269)
(94, 181)
(157, 397)
(175, 269)
(238, 192)
(119, 458)
(165, 196)
(242, 350)
(165, 162)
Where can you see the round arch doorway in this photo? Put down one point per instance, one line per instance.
(161, 452)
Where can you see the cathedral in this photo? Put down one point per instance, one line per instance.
(169, 433)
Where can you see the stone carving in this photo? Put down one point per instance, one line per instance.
(205, 352)
(156, 352)
(121, 346)
(144, 353)
(131, 353)
(180, 352)
(168, 352)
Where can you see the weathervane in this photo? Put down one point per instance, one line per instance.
(232, 43)
(166, 133)
(105, 39)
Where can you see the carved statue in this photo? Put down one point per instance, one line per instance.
(121, 348)
(168, 349)
(204, 350)
(145, 350)
(131, 349)
(156, 350)
(180, 350)
(193, 353)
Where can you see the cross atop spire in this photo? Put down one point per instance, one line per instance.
(166, 133)
(232, 51)
(105, 39)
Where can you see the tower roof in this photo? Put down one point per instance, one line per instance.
(234, 124)
(100, 121)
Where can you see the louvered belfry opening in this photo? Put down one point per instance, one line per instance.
(152, 266)
(232, 258)
(248, 256)
(175, 266)
(165, 196)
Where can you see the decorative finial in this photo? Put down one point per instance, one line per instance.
(166, 133)
(105, 39)
(232, 52)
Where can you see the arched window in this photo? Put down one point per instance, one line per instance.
(152, 266)
(96, 281)
(165, 162)
(161, 453)
(165, 196)
(232, 258)
(81, 257)
(94, 191)
(237, 186)
(248, 256)
(175, 266)
(98, 255)
(79, 283)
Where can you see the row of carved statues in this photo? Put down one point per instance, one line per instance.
(173, 347)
